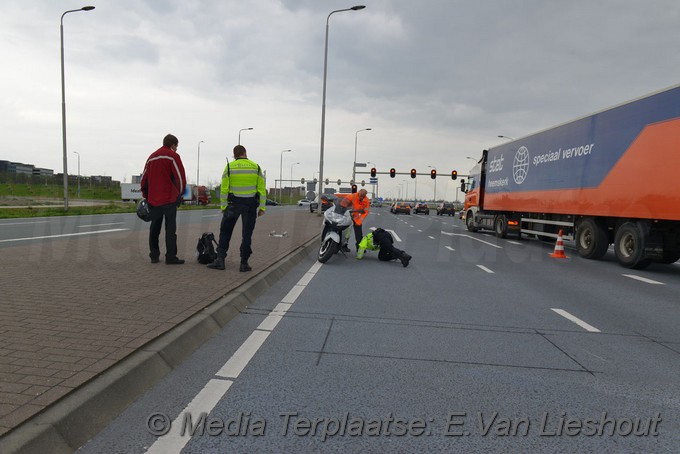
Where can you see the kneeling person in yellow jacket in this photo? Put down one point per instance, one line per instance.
(382, 241)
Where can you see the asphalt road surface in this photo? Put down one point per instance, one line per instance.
(480, 345)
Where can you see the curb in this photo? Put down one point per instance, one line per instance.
(73, 420)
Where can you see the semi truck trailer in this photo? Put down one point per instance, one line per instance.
(612, 177)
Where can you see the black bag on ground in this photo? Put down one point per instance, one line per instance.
(205, 249)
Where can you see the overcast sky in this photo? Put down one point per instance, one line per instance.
(436, 80)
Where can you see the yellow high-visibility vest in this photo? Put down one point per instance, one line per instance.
(242, 178)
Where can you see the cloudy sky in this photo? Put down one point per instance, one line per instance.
(436, 80)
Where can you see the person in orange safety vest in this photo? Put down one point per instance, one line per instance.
(360, 205)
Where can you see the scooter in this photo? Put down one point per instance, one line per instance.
(335, 233)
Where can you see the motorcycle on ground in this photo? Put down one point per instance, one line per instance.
(335, 233)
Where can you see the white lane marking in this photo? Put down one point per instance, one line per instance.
(62, 235)
(449, 248)
(422, 232)
(205, 401)
(430, 237)
(97, 225)
(23, 223)
(482, 267)
(643, 279)
(472, 238)
(293, 294)
(576, 320)
(212, 215)
(515, 242)
(240, 359)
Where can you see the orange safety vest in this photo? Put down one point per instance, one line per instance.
(358, 205)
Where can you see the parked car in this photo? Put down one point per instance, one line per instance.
(401, 207)
(421, 207)
(303, 202)
(376, 203)
(446, 208)
(270, 202)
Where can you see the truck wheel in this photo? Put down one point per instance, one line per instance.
(469, 222)
(629, 246)
(670, 257)
(591, 239)
(500, 227)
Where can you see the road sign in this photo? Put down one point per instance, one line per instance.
(359, 164)
(374, 180)
(310, 195)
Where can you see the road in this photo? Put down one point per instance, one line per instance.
(480, 345)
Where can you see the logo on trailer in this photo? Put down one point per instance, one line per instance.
(520, 166)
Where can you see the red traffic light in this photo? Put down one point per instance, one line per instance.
(374, 172)
(413, 173)
(433, 174)
(454, 174)
(393, 173)
(354, 188)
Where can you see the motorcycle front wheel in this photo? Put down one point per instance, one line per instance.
(327, 249)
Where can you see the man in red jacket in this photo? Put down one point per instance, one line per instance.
(163, 183)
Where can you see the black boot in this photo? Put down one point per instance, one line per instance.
(218, 264)
(244, 267)
(405, 258)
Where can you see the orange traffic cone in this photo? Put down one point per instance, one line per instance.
(559, 248)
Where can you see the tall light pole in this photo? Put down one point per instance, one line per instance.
(239, 133)
(78, 173)
(354, 167)
(323, 102)
(281, 174)
(63, 101)
(435, 183)
(291, 179)
(198, 162)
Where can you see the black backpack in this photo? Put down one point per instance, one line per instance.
(205, 249)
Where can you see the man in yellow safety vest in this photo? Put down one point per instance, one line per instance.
(243, 194)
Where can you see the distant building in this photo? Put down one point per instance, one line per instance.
(16, 167)
(136, 179)
(38, 172)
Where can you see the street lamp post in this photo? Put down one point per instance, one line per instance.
(78, 173)
(239, 133)
(281, 174)
(323, 102)
(354, 167)
(291, 179)
(63, 101)
(198, 162)
(435, 183)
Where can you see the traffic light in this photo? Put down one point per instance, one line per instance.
(462, 185)
(354, 188)
(454, 174)
(433, 174)
(302, 180)
(363, 182)
(374, 172)
(413, 173)
(393, 172)
(326, 182)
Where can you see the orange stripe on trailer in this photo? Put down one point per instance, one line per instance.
(644, 183)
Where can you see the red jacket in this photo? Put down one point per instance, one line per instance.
(163, 180)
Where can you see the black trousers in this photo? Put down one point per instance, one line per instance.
(358, 234)
(169, 212)
(387, 250)
(248, 214)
